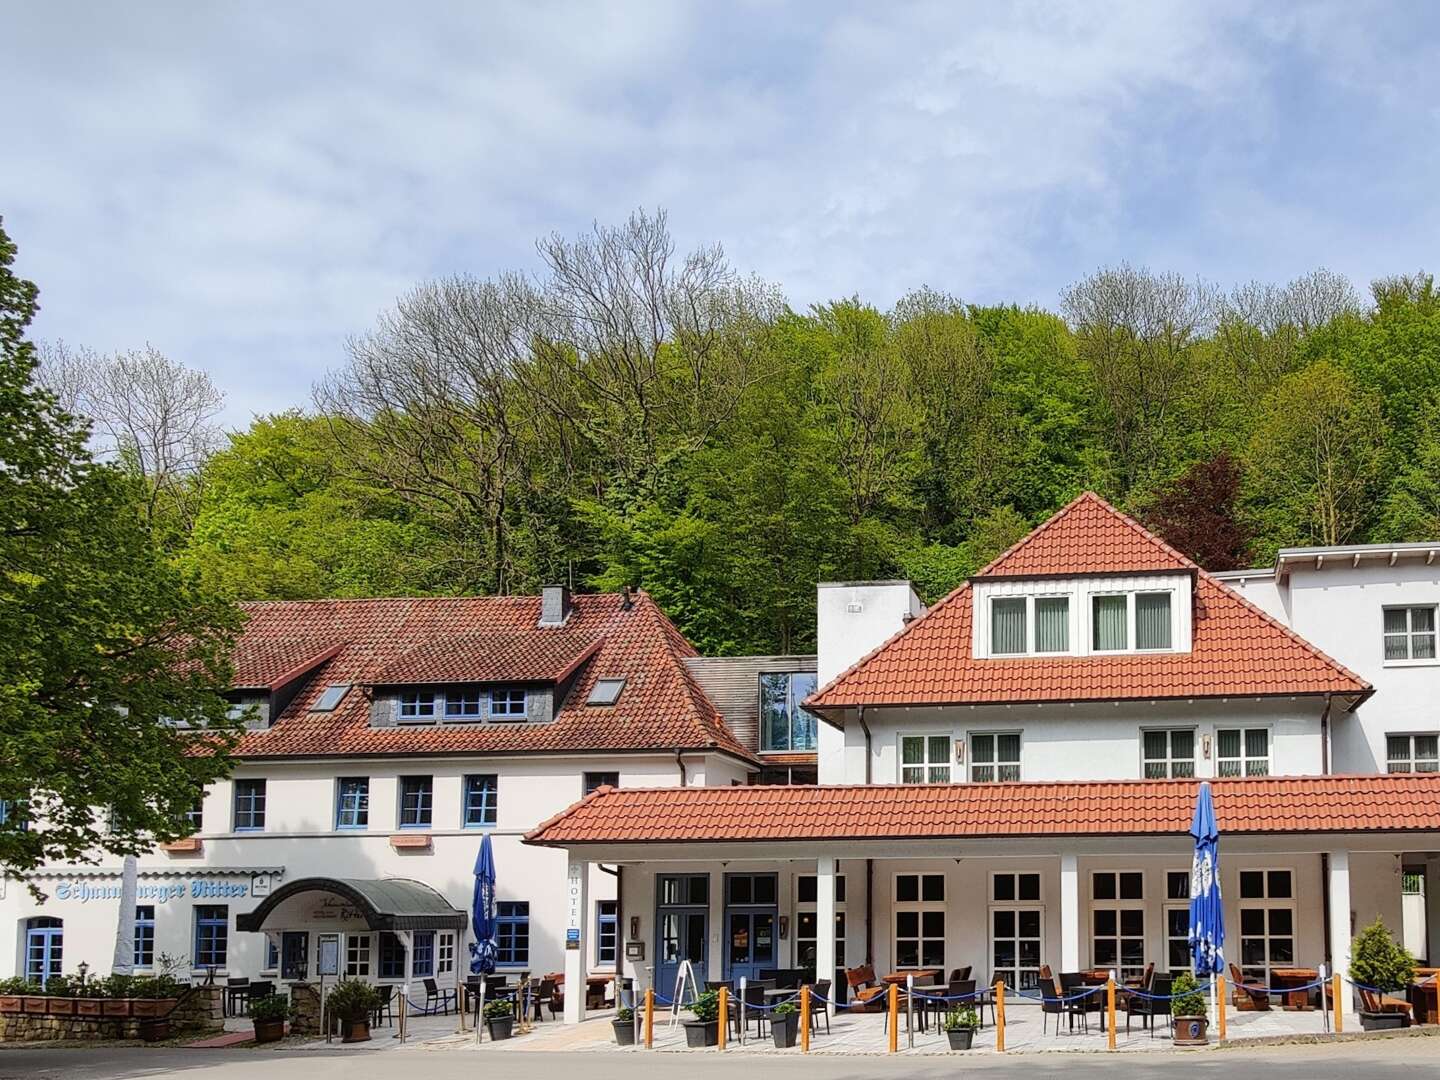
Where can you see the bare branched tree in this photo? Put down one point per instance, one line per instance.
(1141, 333)
(1262, 326)
(154, 415)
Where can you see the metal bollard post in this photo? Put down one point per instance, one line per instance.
(804, 1019)
(894, 1009)
(744, 1017)
(910, 1011)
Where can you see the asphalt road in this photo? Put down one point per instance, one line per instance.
(1373, 1060)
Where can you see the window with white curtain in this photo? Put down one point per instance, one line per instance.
(925, 759)
(1410, 633)
(1152, 620)
(1169, 754)
(1242, 752)
(994, 757)
(1110, 623)
(1412, 753)
(1008, 633)
(1029, 624)
(1052, 624)
(1142, 621)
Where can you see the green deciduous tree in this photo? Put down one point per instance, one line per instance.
(106, 650)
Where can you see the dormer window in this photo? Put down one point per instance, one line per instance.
(417, 705)
(1117, 619)
(1020, 625)
(507, 703)
(463, 705)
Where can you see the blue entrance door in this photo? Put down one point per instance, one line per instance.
(750, 914)
(44, 948)
(682, 929)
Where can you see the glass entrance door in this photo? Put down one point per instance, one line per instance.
(682, 928)
(44, 948)
(750, 915)
(294, 955)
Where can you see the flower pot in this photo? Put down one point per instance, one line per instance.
(1386, 1021)
(960, 1038)
(353, 1031)
(500, 1027)
(61, 1006)
(144, 1008)
(89, 1006)
(116, 1007)
(155, 1030)
(11, 1003)
(701, 1032)
(268, 1031)
(1190, 1030)
(624, 1032)
(36, 1006)
(783, 1029)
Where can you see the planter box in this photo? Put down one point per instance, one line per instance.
(353, 1031)
(62, 1006)
(268, 1031)
(36, 1006)
(89, 1006)
(500, 1027)
(701, 1032)
(624, 1032)
(12, 1003)
(150, 1007)
(115, 1007)
(960, 1038)
(1386, 1021)
(155, 1030)
(1191, 1030)
(783, 1029)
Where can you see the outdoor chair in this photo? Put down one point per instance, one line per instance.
(384, 1013)
(867, 991)
(1050, 1003)
(1144, 980)
(1152, 1008)
(959, 975)
(546, 995)
(818, 1008)
(1372, 1002)
(747, 1008)
(953, 989)
(236, 993)
(1250, 996)
(1071, 984)
(434, 995)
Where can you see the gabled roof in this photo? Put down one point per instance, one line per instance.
(892, 812)
(448, 639)
(1236, 649)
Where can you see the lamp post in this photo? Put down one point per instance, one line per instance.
(82, 969)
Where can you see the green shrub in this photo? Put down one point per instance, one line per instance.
(116, 986)
(1186, 998)
(625, 1015)
(1378, 960)
(18, 985)
(499, 1009)
(706, 1007)
(785, 1008)
(61, 986)
(271, 1007)
(352, 1000)
(959, 1018)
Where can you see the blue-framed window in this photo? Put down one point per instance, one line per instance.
(417, 796)
(9, 811)
(606, 932)
(272, 955)
(392, 956)
(464, 704)
(417, 705)
(249, 805)
(482, 800)
(512, 931)
(144, 955)
(352, 802)
(507, 702)
(44, 948)
(195, 816)
(424, 963)
(212, 934)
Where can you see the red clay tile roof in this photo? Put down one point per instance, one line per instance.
(1236, 649)
(388, 641)
(1401, 803)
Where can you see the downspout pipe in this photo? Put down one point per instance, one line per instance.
(869, 863)
(680, 761)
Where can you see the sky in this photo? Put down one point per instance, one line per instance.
(245, 186)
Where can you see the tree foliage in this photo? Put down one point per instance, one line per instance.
(106, 649)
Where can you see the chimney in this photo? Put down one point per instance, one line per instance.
(856, 616)
(554, 605)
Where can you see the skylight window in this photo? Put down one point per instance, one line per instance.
(330, 698)
(605, 692)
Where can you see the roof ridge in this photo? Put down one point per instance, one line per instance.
(1087, 496)
(1025, 540)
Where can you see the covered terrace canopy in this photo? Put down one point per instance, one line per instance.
(398, 905)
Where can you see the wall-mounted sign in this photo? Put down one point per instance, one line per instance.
(572, 938)
(634, 950)
(156, 892)
(333, 909)
(328, 961)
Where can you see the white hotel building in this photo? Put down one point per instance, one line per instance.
(1005, 780)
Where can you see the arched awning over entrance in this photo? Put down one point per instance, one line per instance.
(394, 904)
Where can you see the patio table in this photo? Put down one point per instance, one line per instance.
(1424, 999)
(1284, 977)
(923, 976)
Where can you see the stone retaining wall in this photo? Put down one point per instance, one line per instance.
(198, 1011)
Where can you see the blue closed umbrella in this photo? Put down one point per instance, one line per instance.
(482, 911)
(1207, 914)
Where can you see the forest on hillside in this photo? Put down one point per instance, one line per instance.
(637, 415)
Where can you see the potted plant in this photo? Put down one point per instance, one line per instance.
(704, 1030)
(60, 993)
(154, 996)
(119, 990)
(1377, 960)
(624, 1024)
(353, 1001)
(1190, 1011)
(269, 1014)
(959, 1026)
(34, 1003)
(500, 1018)
(12, 995)
(784, 1024)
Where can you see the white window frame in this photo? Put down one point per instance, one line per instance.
(919, 907)
(1267, 903)
(808, 907)
(1411, 760)
(1016, 905)
(1117, 905)
(1244, 756)
(1170, 759)
(1410, 659)
(1170, 904)
(1031, 625)
(358, 948)
(995, 763)
(1132, 641)
(444, 952)
(948, 764)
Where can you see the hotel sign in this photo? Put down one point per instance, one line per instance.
(85, 891)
